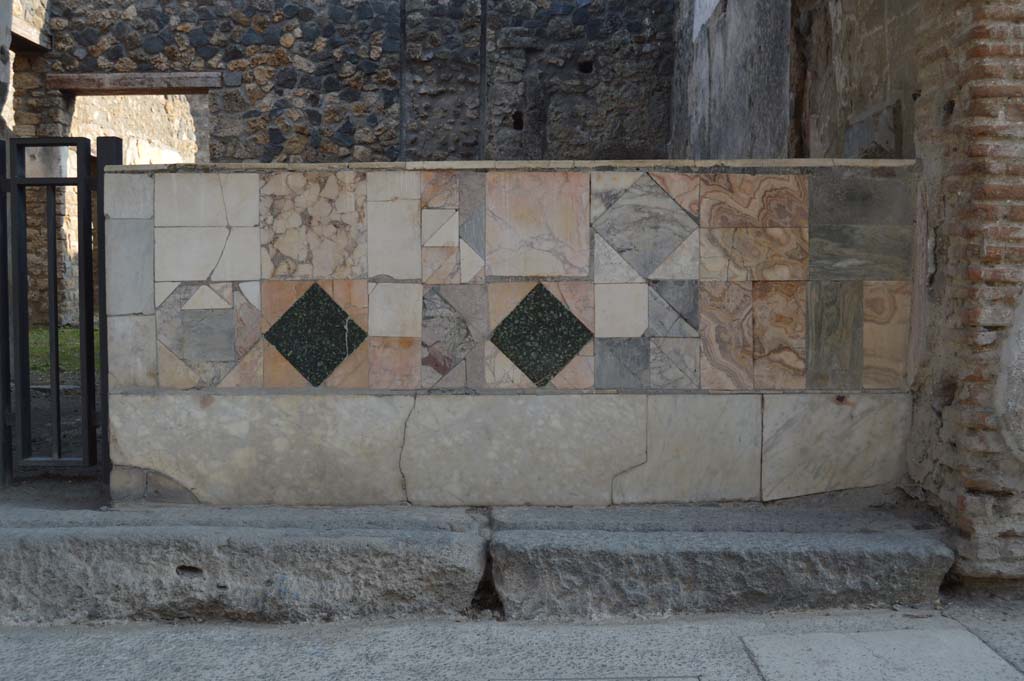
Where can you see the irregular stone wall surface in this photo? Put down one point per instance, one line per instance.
(366, 80)
(511, 335)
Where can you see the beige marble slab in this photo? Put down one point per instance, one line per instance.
(821, 443)
(727, 335)
(722, 463)
(780, 335)
(521, 449)
(266, 449)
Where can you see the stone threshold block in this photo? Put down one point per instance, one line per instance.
(267, 565)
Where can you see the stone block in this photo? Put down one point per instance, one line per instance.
(207, 200)
(132, 351)
(129, 245)
(821, 443)
(129, 196)
(521, 449)
(699, 448)
(266, 449)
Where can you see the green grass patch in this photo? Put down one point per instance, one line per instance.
(67, 342)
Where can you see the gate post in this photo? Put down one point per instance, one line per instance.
(109, 152)
(6, 416)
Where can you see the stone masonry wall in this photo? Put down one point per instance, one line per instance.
(324, 81)
(550, 334)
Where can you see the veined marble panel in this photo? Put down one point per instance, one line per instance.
(738, 200)
(727, 335)
(780, 335)
(537, 224)
(861, 252)
(754, 254)
(822, 443)
(835, 332)
(886, 333)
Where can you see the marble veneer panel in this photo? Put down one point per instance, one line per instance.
(537, 224)
(393, 216)
(132, 351)
(727, 335)
(835, 334)
(886, 333)
(859, 252)
(822, 443)
(739, 200)
(207, 200)
(313, 225)
(769, 254)
(780, 335)
(723, 463)
(266, 449)
(845, 196)
(521, 449)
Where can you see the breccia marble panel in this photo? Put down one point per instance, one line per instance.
(886, 333)
(860, 252)
(723, 463)
(823, 443)
(835, 332)
(522, 449)
(313, 225)
(754, 254)
(266, 449)
(740, 200)
(727, 335)
(780, 335)
(537, 224)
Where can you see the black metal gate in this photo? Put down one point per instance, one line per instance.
(20, 455)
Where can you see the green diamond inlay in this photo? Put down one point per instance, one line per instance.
(315, 335)
(541, 336)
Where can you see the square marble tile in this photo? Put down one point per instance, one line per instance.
(394, 363)
(454, 330)
(620, 310)
(440, 226)
(439, 189)
(441, 265)
(727, 335)
(392, 185)
(396, 310)
(673, 309)
(741, 200)
(541, 335)
(675, 363)
(754, 254)
(886, 333)
(644, 225)
(780, 335)
(835, 334)
(313, 225)
(537, 224)
(622, 363)
(129, 196)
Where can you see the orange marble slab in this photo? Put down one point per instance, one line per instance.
(754, 254)
(886, 333)
(736, 200)
(780, 335)
(727, 335)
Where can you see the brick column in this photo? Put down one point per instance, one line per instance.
(966, 453)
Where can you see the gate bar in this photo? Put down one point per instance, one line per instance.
(6, 417)
(51, 295)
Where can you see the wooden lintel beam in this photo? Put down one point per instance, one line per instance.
(151, 83)
(27, 38)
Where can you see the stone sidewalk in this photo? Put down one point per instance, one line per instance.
(976, 640)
